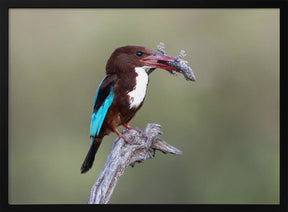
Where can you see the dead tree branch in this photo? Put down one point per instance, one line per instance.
(122, 155)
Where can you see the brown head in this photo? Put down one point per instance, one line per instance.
(126, 58)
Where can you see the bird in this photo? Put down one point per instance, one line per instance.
(121, 94)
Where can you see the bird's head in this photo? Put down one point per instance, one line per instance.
(126, 58)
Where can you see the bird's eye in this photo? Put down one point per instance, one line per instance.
(139, 53)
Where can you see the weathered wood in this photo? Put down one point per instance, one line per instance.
(122, 155)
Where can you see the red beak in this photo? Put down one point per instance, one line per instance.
(160, 61)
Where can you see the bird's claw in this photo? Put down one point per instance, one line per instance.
(137, 130)
(141, 132)
(120, 135)
(127, 140)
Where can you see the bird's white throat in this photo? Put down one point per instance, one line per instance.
(137, 95)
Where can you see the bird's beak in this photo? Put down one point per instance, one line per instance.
(160, 61)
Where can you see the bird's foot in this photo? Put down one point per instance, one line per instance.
(141, 132)
(136, 129)
(122, 136)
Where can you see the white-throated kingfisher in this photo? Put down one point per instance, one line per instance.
(121, 93)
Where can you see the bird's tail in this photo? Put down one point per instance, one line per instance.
(89, 159)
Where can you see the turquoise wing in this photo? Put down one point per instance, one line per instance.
(103, 99)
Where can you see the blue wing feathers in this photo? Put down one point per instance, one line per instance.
(96, 95)
(100, 110)
(99, 116)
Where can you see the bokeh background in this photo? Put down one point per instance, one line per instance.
(226, 123)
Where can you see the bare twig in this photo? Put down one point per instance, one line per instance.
(122, 155)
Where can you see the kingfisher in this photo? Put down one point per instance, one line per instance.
(121, 93)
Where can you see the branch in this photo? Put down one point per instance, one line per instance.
(122, 155)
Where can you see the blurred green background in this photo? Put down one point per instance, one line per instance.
(226, 123)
